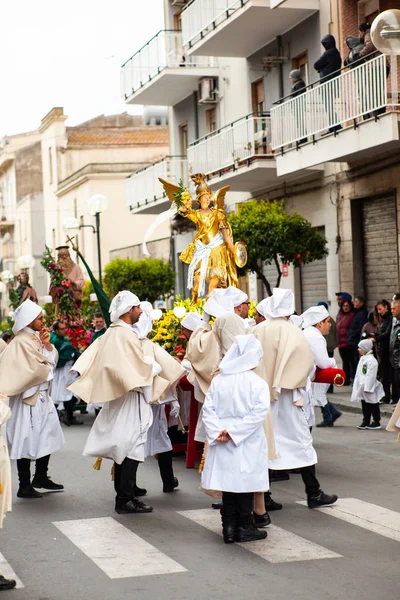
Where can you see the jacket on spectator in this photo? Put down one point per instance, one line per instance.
(360, 318)
(298, 88)
(353, 58)
(368, 46)
(330, 61)
(395, 344)
(382, 336)
(343, 322)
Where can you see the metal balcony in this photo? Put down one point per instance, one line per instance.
(145, 194)
(351, 117)
(239, 27)
(160, 73)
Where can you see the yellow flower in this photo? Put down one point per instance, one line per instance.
(168, 345)
(185, 196)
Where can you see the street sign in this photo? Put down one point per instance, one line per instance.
(285, 270)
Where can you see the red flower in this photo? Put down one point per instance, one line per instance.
(52, 266)
(181, 336)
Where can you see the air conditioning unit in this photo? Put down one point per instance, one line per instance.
(208, 92)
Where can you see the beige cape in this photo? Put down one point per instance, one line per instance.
(171, 370)
(391, 426)
(226, 328)
(113, 367)
(23, 366)
(202, 351)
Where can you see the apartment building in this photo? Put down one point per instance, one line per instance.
(223, 70)
(49, 175)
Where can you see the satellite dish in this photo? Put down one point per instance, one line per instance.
(385, 32)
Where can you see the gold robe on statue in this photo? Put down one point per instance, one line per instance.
(23, 366)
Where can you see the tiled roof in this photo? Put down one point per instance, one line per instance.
(135, 136)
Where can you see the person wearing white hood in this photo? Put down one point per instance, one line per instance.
(234, 412)
(366, 387)
(286, 365)
(157, 441)
(317, 324)
(115, 371)
(26, 370)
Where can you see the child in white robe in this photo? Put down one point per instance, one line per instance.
(234, 412)
(367, 388)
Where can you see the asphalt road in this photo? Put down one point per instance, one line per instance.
(72, 545)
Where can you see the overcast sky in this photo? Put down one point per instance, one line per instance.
(68, 53)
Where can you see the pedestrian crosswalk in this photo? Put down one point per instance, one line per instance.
(281, 546)
(368, 516)
(121, 553)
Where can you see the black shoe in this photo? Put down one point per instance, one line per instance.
(228, 531)
(27, 491)
(393, 402)
(7, 584)
(133, 506)
(261, 521)
(325, 424)
(64, 418)
(363, 425)
(279, 476)
(336, 417)
(46, 484)
(138, 492)
(249, 535)
(270, 504)
(374, 425)
(321, 499)
(74, 421)
(167, 489)
(216, 505)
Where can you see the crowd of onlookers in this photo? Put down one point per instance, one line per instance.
(381, 326)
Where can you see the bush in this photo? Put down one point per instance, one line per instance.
(149, 279)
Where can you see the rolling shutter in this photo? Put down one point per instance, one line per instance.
(314, 281)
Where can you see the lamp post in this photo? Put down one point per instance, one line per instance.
(97, 205)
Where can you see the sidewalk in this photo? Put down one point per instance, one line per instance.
(341, 399)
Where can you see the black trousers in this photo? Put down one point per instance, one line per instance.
(396, 385)
(370, 410)
(24, 469)
(69, 407)
(310, 480)
(165, 466)
(385, 372)
(125, 479)
(237, 509)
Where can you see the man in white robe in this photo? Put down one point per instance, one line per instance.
(115, 371)
(316, 324)
(5, 481)
(286, 365)
(235, 409)
(26, 370)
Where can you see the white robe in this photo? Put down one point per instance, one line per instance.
(157, 437)
(35, 431)
(322, 361)
(5, 470)
(238, 403)
(293, 441)
(62, 377)
(366, 386)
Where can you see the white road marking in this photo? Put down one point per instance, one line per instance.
(368, 516)
(7, 571)
(281, 546)
(116, 550)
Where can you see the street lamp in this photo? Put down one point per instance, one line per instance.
(97, 205)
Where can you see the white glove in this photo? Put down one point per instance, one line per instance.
(175, 409)
(206, 317)
(186, 364)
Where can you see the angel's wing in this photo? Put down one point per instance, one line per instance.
(219, 198)
(169, 188)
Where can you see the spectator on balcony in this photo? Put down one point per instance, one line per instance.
(355, 46)
(298, 84)
(330, 61)
(368, 48)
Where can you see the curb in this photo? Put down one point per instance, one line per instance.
(356, 408)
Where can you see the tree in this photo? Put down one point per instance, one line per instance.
(273, 236)
(149, 278)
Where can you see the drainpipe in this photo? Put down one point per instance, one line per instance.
(196, 115)
(279, 47)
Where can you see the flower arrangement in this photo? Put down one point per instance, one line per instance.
(181, 196)
(59, 285)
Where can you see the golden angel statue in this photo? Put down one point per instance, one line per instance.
(211, 255)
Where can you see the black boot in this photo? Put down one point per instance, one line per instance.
(229, 517)
(261, 521)
(138, 492)
(246, 531)
(270, 504)
(27, 491)
(41, 479)
(123, 507)
(24, 475)
(169, 480)
(229, 531)
(7, 584)
(251, 534)
(321, 499)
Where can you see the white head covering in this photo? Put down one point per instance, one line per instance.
(146, 306)
(27, 312)
(314, 315)
(366, 345)
(192, 321)
(121, 304)
(143, 326)
(236, 295)
(263, 307)
(296, 320)
(218, 303)
(244, 355)
(281, 304)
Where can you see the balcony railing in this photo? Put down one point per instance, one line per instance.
(163, 51)
(233, 146)
(351, 97)
(143, 187)
(202, 16)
